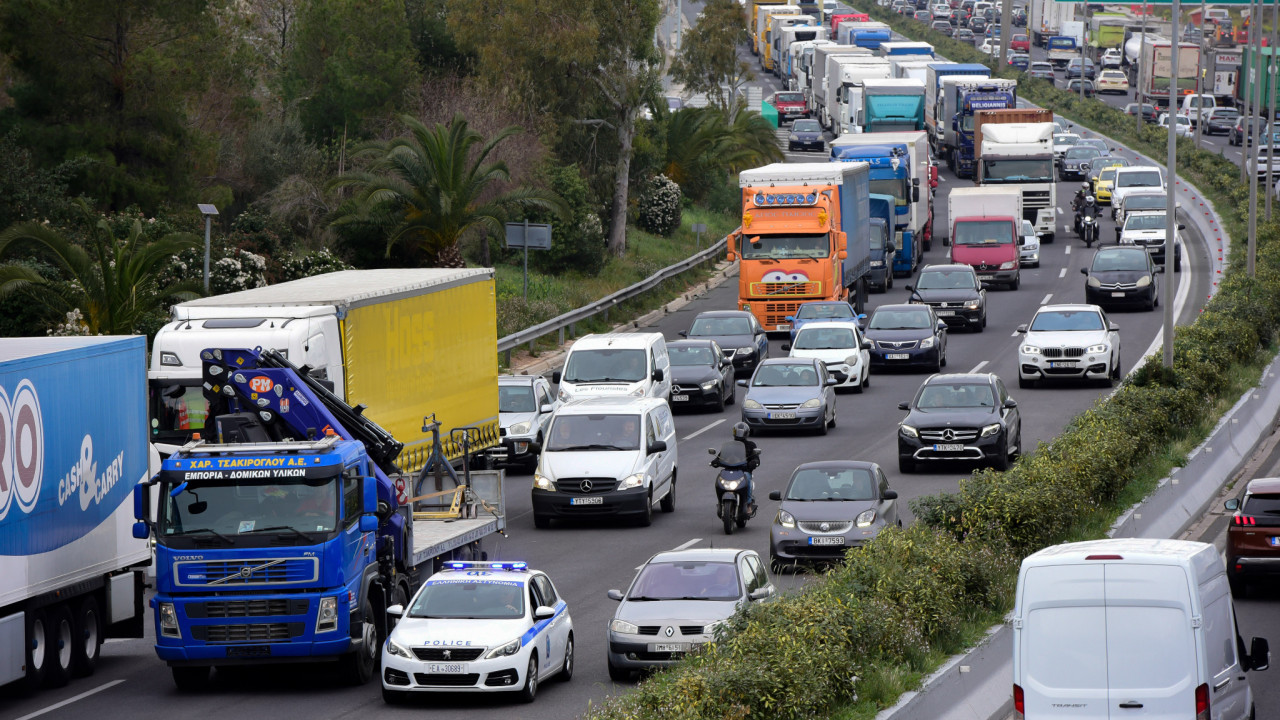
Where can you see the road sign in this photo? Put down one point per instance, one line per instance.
(533, 236)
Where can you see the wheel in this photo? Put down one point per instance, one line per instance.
(866, 378)
(190, 679)
(857, 389)
(530, 689)
(646, 518)
(1115, 370)
(1001, 461)
(727, 511)
(888, 282)
(358, 666)
(394, 697)
(618, 674)
(942, 360)
(669, 500)
(87, 627)
(906, 465)
(399, 596)
(61, 644)
(1017, 281)
(832, 422)
(824, 426)
(719, 405)
(38, 655)
(733, 394)
(566, 669)
(541, 522)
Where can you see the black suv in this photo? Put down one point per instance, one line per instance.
(955, 294)
(960, 417)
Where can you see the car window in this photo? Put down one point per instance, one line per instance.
(1066, 321)
(696, 580)
(1107, 261)
(352, 499)
(882, 481)
(650, 424)
(816, 484)
(1146, 222)
(545, 590)
(686, 356)
(516, 399)
(900, 319)
(748, 577)
(826, 310)
(451, 597)
(757, 570)
(721, 326)
(535, 598)
(955, 395)
(948, 279)
(824, 339)
(1262, 505)
(785, 375)
(571, 433)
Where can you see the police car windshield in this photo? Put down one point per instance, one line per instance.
(686, 581)
(466, 598)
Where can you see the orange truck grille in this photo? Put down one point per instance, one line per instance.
(776, 313)
(774, 289)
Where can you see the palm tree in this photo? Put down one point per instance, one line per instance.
(701, 142)
(428, 189)
(113, 282)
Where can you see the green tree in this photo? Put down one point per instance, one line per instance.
(703, 146)
(708, 63)
(434, 186)
(113, 282)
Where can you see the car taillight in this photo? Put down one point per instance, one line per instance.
(1202, 702)
(1019, 703)
(1244, 520)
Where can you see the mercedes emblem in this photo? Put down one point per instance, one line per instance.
(670, 631)
(948, 435)
(586, 486)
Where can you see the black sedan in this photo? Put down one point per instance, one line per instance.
(806, 135)
(955, 294)
(960, 417)
(1122, 275)
(737, 332)
(828, 507)
(907, 335)
(1147, 109)
(1076, 160)
(700, 374)
(964, 35)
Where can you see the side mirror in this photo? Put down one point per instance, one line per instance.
(1022, 329)
(833, 381)
(791, 318)
(658, 446)
(142, 503)
(1084, 271)
(909, 288)
(867, 344)
(942, 325)
(1233, 504)
(555, 377)
(742, 383)
(889, 495)
(1114, 327)
(775, 494)
(1181, 226)
(766, 593)
(904, 406)
(544, 612)
(1259, 654)
(369, 506)
(1011, 403)
(683, 333)
(786, 346)
(395, 610)
(535, 448)
(141, 530)
(842, 254)
(615, 595)
(890, 248)
(658, 375)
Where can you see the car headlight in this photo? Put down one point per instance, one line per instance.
(624, 627)
(1094, 349)
(520, 428)
(877, 263)
(971, 304)
(710, 628)
(866, 517)
(327, 617)
(638, 392)
(908, 431)
(708, 384)
(631, 481)
(811, 403)
(852, 362)
(564, 395)
(792, 137)
(1144, 281)
(745, 351)
(169, 621)
(503, 650)
(542, 482)
(786, 519)
(398, 650)
(1008, 265)
(991, 429)
(750, 404)
(1093, 282)
(926, 343)
(1030, 350)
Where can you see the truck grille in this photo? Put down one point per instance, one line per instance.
(449, 654)
(246, 572)
(246, 608)
(586, 486)
(947, 435)
(818, 527)
(264, 632)
(1070, 352)
(759, 289)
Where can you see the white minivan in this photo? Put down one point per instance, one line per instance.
(616, 364)
(606, 456)
(1130, 627)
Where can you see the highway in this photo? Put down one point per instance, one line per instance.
(586, 560)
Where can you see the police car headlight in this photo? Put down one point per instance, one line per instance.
(631, 481)
(504, 650)
(624, 627)
(750, 404)
(708, 384)
(991, 429)
(866, 517)
(812, 403)
(169, 621)
(398, 650)
(786, 519)
(327, 618)
(542, 482)
(520, 428)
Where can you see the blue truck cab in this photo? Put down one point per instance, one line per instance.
(882, 245)
(985, 97)
(890, 176)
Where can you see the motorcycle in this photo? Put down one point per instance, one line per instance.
(1088, 230)
(731, 485)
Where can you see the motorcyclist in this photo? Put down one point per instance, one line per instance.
(741, 433)
(1090, 210)
(1077, 203)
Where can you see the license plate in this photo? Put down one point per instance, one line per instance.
(1062, 364)
(1117, 294)
(836, 540)
(669, 647)
(1274, 540)
(782, 416)
(948, 447)
(897, 356)
(945, 313)
(679, 398)
(447, 668)
(586, 501)
(784, 326)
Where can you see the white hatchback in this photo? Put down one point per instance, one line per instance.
(840, 347)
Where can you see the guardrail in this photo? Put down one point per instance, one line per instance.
(603, 305)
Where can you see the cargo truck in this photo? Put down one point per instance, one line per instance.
(1251, 66)
(286, 533)
(792, 41)
(818, 73)
(845, 105)
(1107, 32)
(961, 98)
(882, 243)
(1155, 71)
(985, 235)
(935, 124)
(1015, 149)
(896, 49)
(1062, 50)
(869, 35)
(774, 48)
(73, 444)
(760, 38)
(1046, 17)
(838, 17)
(906, 67)
(907, 179)
(802, 66)
(395, 340)
(892, 105)
(805, 236)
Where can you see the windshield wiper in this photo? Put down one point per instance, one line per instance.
(296, 531)
(642, 598)
(215, 533)
(595, 446)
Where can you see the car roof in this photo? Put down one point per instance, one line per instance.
(698, 555)
(788, 360)
(1073, 307)
(1263, 485)
(820, 324)
(948, 267)
(517, 379)
(834, 465)
(691, 342)
(618, 339)
(1145, 213)
(622, 403)
(1117, 249)
(822, 302)
(901, 306)
(722, 314)
(961, 378)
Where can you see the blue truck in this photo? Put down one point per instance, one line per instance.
(286, 534)
(963, 99)
(893, 174)
(935, 122)
(882, 245)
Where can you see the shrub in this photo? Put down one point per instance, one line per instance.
(316, 263)
(659, 208)
(577, 240)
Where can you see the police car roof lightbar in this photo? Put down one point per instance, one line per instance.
(465, 565)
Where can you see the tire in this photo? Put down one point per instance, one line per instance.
(727, 512)
(38, 656)
(888, 282)
(87, 626)
(530, 690)
(719, 405)
(857, 389)
(190, 679)
(832, 422)
(1017, 282)
(668, 502)
(906, 465)
(1115, 370)
(541, 522)
(360, 665)
(646, 518)
(61, 646)
(866, 379)
(824, 426)
(1001, 461)
(618, 674)
(566, 670)
(733, 394)
(394, 697)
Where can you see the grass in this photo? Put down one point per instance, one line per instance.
(554, 295)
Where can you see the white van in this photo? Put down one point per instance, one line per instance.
(616, 364)
(1136, 178)
(607, 456)
(1129, 628)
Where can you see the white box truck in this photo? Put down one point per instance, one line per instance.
(844, 98)
(818, 73)
(1020, 155)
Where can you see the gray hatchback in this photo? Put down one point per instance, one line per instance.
(828, 507)
(790, 394)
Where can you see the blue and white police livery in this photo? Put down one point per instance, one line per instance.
(479, 627)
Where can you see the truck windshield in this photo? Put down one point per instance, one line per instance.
(177, 410)
(516, 399)
(786, 246)
(1015, 170)
(897, 187)
(575, 433)
(453, 598)
(245, 506)
(983, 232)
(605, 365)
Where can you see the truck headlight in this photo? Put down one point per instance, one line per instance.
(786, 519)
(1008, 265)
(504, 650)
(877, 263)
(811, 403)
(1093, 282)
(520, 428)
(169, 359)
(908, 431)
(926, 343)
(327, 617)
(708, 384)
(169, 621)
(398, 650)
(631, 481)
(1094, 349)
(1144, 281)
(750, 404)
(624, 627)
(866, 517)
(542, 482)
(991, 429)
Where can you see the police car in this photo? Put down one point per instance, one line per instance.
(479, 627)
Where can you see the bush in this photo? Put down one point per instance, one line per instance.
(316, 263)
(659, 208)
(577, 240)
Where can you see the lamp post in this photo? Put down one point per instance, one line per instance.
(1171, 222)
(208, 211)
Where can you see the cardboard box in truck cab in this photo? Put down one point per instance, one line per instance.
(986, 232)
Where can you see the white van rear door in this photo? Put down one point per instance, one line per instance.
(1062, 648)
(1151, 648)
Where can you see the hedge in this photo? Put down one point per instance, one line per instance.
(817, 650)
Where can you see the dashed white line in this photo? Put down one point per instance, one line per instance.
(1068, 250)
(978, 367)
(1045, 301)
(1062, 273)
(696, 433)
(68, 701)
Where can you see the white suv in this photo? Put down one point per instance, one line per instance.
(1070, 342)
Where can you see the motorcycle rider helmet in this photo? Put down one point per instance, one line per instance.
(1084, 186)
(1088, 200)
(741, 430)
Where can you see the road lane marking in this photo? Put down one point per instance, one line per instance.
(696, 433)
(1045, 301)
(68, 701)
(1068, 250)
(678, 548)
(978, 367)
(1062, 273)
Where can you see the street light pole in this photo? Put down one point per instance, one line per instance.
(1137, 76)
(208, 211)
(1254, 133)
(1271, 104)
(1171, 224)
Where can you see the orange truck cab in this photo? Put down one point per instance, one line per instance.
(805, 235)
(985, 224)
